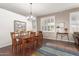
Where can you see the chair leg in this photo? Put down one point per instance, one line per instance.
(23, 51)
(14, 50)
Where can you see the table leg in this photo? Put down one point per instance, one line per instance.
(61, 36)
(56, 36)
(68, 36)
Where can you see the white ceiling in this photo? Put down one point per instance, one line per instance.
(38, 9)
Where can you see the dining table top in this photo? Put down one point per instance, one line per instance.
(62, 32)
(25, 36)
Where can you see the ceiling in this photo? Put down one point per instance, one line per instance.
(38, 9)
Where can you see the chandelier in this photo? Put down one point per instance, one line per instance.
(31, 17)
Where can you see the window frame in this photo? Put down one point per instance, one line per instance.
(45, 19)
(71, 23)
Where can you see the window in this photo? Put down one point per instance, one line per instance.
(74, 22)
(48, 24)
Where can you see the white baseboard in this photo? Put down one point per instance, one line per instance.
(61, 40)
(6, 44)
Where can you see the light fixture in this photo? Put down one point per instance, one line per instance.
(31, 17)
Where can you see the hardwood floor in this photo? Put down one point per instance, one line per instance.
(62, 44)
(7, 51)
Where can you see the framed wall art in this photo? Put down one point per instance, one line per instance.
(19, 26)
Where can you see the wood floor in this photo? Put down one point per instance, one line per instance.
(62, 44)
(7, 51)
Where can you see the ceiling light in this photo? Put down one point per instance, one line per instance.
(31, 17)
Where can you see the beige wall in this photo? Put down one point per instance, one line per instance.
(63, 16)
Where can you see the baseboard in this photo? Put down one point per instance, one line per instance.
(60, 40)
(6, 44)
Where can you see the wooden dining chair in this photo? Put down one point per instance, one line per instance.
(40, 39)
(32, 40)
(28, 44)
(36, 40)
(16, 43)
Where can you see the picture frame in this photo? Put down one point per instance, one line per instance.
(19, 26)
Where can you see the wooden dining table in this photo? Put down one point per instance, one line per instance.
(23, 43)
(27, 42)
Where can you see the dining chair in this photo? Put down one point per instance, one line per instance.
(32, 40)
(40, 39)
(33, 34)
(28, 44)
(16, 43)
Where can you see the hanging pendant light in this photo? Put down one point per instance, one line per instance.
(31, 17)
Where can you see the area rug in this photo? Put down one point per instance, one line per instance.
(54, 51)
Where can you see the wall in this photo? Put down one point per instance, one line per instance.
(34, 25)
(38, 24)
(63, 16)
(7, 25)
